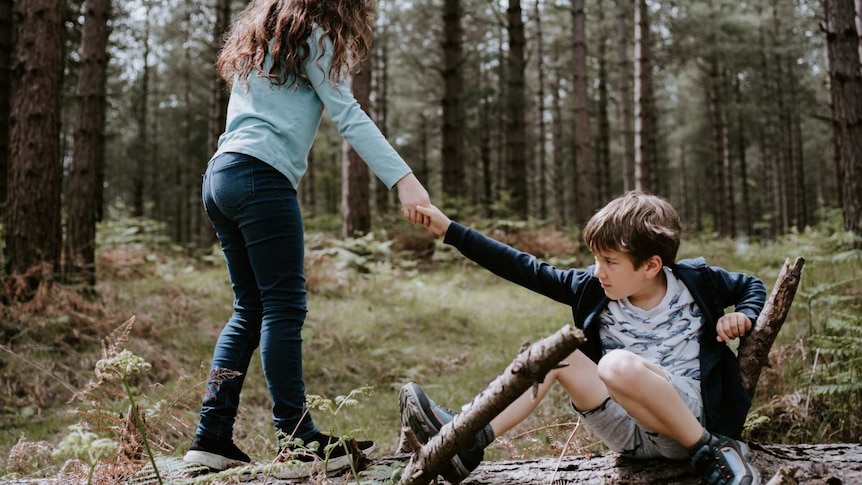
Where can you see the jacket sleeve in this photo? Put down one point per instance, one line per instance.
(516, 266)
(746, 293)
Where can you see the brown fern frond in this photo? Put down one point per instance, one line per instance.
(116, 341)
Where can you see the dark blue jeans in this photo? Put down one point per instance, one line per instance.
(255, 213)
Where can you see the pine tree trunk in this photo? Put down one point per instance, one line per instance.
(219, 93)
(797, 169)
(541, 158)
(89, 151)
(742, 149)
(141, 114)
(218, 87)
(627, 142)
(584, 184)
(380, 85)
(557, 178)
(769, 216)
(644, 116)
(842, 44)
(33, 230)
(451, 159)
(7, 51)
(516, 169)
(603, 150)
(355, 178)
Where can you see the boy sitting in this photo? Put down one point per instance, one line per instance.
(655, 377)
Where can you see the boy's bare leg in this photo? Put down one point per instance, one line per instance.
(580, 379)
(643, 390)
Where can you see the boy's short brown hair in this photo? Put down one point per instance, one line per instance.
(638, 224)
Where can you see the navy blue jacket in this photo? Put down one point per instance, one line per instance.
(725, 401)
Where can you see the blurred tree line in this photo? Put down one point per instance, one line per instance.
(747, 115)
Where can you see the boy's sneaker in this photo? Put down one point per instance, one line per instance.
(327, 455)
(426, 418)
(724, 461)
(215, 453)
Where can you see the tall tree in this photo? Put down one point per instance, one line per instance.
(380, 86)
(6, 52)
(218, 86)
(645, 143)
(603, 150)
(217, 102)
(355, 203)
(627, 141)
(584, 183)
(452, 161)
(89, 151)
(541, 159)
(516, 145)
(33, 231)
(845, 77)
(141, 103)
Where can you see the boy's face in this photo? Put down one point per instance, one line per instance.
(619, 278)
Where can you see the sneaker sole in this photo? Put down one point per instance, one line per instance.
(414, 417)
(746, 453)
(211, 460)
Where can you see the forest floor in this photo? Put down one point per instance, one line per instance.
(381, 313)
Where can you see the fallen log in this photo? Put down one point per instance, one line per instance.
(823, 464)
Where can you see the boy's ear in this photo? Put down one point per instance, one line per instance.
(653, 265)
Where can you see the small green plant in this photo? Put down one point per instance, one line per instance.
(83, 444)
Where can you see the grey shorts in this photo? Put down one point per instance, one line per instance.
(623, 434)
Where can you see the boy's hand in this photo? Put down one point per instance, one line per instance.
(732, 325)
(437, 223)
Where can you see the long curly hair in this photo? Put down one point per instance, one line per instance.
(288, 25)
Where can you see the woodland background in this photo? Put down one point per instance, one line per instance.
(522, 117)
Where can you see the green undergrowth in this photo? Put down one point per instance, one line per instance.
(392, 307)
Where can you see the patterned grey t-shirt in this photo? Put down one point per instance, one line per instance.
(667, 335)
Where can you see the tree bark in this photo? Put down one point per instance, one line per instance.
(529, 368)
(141, 142)
(33, 231)
(219, 93)
(584, 185)
(89, 153)
(451, 159)
(842, 44)
(603, 150)
(644, 118)
(355, 179)
(627, 143)
(380, 86)
(541, 158)
(813, 465)
(516, 170)
(7, 51)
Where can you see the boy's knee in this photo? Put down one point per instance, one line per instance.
(619, 368)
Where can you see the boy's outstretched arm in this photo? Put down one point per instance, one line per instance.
(435, 220)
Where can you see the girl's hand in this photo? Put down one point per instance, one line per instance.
(412, 193)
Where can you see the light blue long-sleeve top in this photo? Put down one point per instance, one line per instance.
(277, 124)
